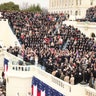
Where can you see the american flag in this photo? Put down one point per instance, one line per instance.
(39, 88)
(5, 66)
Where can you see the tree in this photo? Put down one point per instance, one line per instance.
(33, 8)
(24, 6)
(38, 8)
(10, 6)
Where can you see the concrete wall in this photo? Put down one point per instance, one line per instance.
(20, 81)
(7, 38)
(21, 85)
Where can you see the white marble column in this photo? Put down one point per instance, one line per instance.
(49, 3)
(68, 3)
(80, 2)
(57, 3)
(72, 2)
(76, 2)
(63, 3)
(60, 3)
(53, 3)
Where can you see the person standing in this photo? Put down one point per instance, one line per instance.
(71, 81)
(91, 81)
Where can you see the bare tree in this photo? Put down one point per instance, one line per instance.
(44, 10)
(24, 5)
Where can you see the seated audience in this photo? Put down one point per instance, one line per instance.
(63, 50)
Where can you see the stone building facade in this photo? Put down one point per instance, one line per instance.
(75, 8)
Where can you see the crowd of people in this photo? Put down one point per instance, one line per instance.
(91, 14)
(64, 51)
(2, 85)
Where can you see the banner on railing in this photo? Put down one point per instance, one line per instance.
(39, 88)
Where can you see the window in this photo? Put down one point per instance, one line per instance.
(76, 13)
(79, 12)
(71, 12)
(91, 2)
(67, 12)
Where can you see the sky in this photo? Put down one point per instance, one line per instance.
(22, 3)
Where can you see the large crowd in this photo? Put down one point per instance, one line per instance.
(64, 51)
(91, 14)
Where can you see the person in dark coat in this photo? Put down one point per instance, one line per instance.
(91, 81)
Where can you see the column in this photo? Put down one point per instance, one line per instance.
(49, 3)
(80, 2)
(64, 3)
(68, 2)
(54, 3)
(60, 3)
(72, 2)
(76, 2)
(57, 3)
